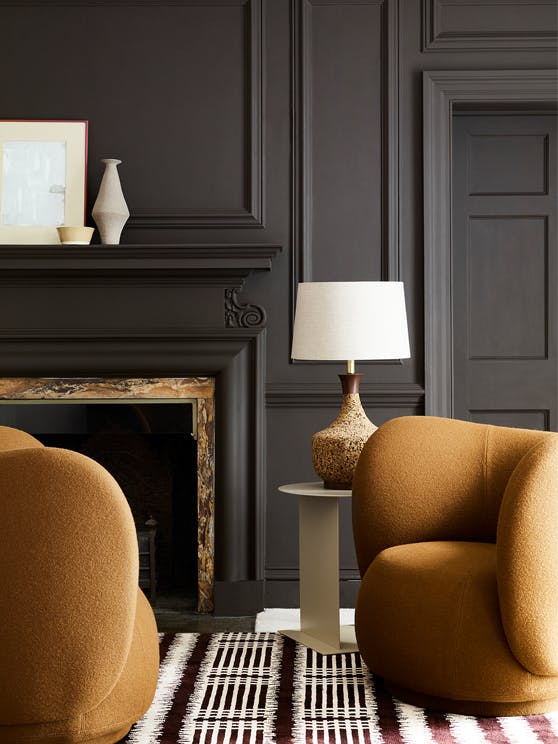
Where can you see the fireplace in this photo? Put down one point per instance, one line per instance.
(158, 312)
(137, 442)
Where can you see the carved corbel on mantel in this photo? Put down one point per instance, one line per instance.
(242, 316)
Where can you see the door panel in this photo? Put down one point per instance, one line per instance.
(504, 270)
(506, 293)
(507, 164)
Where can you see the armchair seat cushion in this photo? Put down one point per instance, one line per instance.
(428, 620)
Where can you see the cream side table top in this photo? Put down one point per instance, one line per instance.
(315, 488)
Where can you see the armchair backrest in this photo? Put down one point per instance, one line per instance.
(423, 478)
(68, 583)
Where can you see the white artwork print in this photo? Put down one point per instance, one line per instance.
(33, 183)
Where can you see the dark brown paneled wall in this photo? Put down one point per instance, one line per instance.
(296, 122)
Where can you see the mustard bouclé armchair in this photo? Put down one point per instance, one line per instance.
(79, 649)
(456, 533)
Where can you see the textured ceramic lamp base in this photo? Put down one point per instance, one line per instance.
(335, 450)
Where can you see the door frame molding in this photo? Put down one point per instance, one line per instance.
(443, 90)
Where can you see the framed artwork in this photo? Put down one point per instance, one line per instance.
(43, 172)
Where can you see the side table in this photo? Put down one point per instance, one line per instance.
(319, 570)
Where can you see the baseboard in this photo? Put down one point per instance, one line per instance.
(238, 598)
(281, 593)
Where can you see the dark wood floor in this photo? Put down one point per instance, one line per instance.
(176, 615)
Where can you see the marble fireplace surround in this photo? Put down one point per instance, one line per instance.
(200, 391)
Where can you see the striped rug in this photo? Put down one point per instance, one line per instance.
(263, 688)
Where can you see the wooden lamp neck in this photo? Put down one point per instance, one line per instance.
(350, 383)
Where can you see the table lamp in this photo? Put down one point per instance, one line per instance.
(348, 321)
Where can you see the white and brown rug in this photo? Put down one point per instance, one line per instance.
(263, 688)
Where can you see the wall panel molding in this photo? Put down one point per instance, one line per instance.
(286, 573)
(443, 90)
(252, 213)
(328, 395)
(301, 136)
(445, 28)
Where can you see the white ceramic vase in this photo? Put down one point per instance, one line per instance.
(110, 210)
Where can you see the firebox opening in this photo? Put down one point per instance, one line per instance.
(151, 451)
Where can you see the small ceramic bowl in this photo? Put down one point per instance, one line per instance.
(75, 235)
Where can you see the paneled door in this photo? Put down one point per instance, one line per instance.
(505, 269)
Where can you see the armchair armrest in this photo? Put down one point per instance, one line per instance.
(527, 559)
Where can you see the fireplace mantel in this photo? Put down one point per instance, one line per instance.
(136, 311)
(212, 264)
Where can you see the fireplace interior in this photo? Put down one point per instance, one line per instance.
(150, 448)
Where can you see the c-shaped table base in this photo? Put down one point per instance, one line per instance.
(319, 571)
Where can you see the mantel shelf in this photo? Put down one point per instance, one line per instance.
(223, 264)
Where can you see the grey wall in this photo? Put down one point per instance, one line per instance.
(293, 122)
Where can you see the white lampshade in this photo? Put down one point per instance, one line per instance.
(350, 320)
